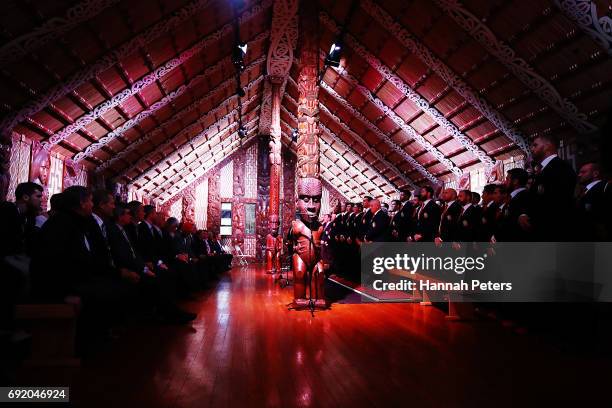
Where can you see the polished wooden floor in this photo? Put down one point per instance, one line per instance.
(247, 350)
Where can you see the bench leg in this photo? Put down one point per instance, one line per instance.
(425, 301)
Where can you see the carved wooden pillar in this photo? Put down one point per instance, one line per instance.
(308, 102)
(306, 230)
(275, 156)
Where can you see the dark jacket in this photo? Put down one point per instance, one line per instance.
(449, 220)
(147, 245)
(122, 249)
(553, 202)
(379, 227)
(468, 224)
(507, 227)
(428, 221)
(65, 257)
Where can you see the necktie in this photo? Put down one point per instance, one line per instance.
(128, 242)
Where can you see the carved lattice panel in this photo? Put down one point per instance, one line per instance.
(226, 182)
(201, 204)
(56, 177)
(250, 173)
(325, 208)
(19, 169)
(250, 246)
(176, 209)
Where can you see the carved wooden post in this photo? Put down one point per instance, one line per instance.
(306, 230)
(275, 156)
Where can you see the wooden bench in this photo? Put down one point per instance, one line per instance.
(457, 309)
(53, 330)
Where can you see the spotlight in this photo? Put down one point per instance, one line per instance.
(243, 48)
(238, 55)
(294, 135)
(333, 57)
(242, 132)
(240, 92)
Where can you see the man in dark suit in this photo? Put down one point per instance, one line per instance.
(17, 221)
(449, 218)
(379, 226)
(487, 221)
(66, 264)
(427, 217)
(103, 209)
(514, 224)
(553, 190)
(593, 205)
(147, 244)
(406, 222)
(394, 225)
(367, 217)
(469, 219)
(157, 286)
(137, 211)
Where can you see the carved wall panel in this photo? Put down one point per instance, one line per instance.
(189, 202)
(18, 166)
(263, 193)
(214, 202)
(288, 202)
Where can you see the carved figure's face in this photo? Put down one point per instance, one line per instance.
(309, 198)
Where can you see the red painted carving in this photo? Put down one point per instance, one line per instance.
(214, 203)
(275, 158)
(305, 229)
(188, 212)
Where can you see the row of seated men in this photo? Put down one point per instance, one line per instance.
(117, 260)
(544, 205)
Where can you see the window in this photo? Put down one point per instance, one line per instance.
(249, 219)
(226, 219)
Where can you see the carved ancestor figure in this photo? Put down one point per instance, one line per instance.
(279, 252)
(306, 234)
(270, 252)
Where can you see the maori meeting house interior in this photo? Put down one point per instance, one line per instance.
(306, 203)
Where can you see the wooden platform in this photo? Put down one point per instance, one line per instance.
(247, 350)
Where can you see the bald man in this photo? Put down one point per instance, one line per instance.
(379, 226)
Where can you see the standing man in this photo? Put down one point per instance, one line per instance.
(592, 204)
(367, 217)
(487, 220)
(377, 232)
(449, 218)
(553, 190)
(469, 218)
(427, 218)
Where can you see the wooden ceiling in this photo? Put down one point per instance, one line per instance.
(145, 92)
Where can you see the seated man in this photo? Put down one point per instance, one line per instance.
(201, 250)
(65, 264)
(218, 251)
(16, 245)
(177, 254)
(158, 284)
